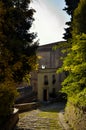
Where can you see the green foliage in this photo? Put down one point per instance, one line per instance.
(71, 5)
(17, 44)
(79, 19)
(7, 98)
(17, 49)
(81, 98)
(75, 64)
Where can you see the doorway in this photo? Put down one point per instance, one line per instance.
(45, 98)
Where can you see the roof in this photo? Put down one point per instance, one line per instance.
(48, 47)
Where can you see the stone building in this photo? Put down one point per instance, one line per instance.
(46, 82)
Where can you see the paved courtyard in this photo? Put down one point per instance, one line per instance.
(44, 118)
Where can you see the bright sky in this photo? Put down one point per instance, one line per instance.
(49, 20)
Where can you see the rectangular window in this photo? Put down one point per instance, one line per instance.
(53, 79)
(45, 80)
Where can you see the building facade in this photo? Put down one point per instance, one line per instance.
(46, 82)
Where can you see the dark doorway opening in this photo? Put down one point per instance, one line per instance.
(45, 94)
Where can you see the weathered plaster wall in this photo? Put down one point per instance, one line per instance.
(50, 85)
(50, 59)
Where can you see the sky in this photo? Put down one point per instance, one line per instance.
(49, 20)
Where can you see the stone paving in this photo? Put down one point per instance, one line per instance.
(31, 121)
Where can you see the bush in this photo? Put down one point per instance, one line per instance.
(81, 98)
(7, 97)
(62, 97)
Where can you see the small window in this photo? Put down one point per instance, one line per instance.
(46, 80)
(53, 79)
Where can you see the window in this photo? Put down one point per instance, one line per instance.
(46, 80)
(53, 79)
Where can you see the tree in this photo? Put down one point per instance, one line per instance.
(17, 47)
(75, 62)
(17, 50)
(70, 7)
(79, 19)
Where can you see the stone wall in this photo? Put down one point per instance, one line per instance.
(48, 87)
(27, 106)
(48, 59)
(75, 116)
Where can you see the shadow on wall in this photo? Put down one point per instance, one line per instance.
(26, 94)
(58, 97)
